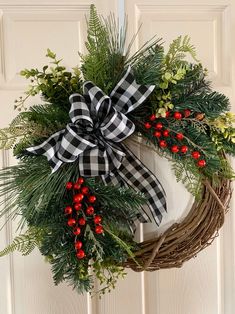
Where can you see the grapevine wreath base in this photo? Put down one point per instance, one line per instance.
(81, 192)
(183, 241)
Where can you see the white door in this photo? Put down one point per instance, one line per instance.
(205, 285)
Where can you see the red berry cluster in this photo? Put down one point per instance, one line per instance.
(162, 134)
(81, 212)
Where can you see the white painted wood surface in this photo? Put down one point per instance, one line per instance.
(205, 285)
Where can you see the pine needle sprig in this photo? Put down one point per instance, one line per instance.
(192, 83)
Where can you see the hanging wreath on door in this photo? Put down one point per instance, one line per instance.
(80, 191)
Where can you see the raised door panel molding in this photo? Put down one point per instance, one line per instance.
(7, 304)
(207, 25)
(26, 32)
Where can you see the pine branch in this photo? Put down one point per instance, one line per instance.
(147, 67)
(194, 82)
(212, 104)
(122, 244)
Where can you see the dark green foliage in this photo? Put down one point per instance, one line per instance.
(147, 65)
(193, 83)
(50, 117)
(41, 200)
(104, 62)
(228, 147)
(44, 121)
(212, 104)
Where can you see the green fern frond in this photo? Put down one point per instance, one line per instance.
(9, 136)
(24, 243)
(190, 178)
(179, 48)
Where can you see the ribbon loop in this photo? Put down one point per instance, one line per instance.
(117, 127)
(128, 95)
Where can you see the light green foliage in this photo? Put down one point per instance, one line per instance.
(53, 82)
(24, 243)
(189, 175)
(19, 129)
(162, 102)
(9, 136)
(174, 69)
(222, 128)
(171, 78)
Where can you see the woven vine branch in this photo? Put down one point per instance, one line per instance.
(183, 241)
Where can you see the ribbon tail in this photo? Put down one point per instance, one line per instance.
(141, 179)
(48, 149)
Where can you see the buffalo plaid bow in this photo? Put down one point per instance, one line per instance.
(98, 125)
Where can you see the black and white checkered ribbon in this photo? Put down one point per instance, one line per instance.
(93, 137)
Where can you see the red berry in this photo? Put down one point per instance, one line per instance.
(92, 199)
(77, 206)
(80, 254)
(78, 198)
(159, 126)
(77, 186)
(82, 221)
(187, 113)
(85, 190)
(174, 149)
(184, 149)
(78, 245)
(179, 136)
(80, 180)
(71, 222)
(196, 154)
(163, 144)
(201, 163)
(69, 185)
(166, 133)
(76, 231)
(178, 115)
(99, 229)
(157, 134)
(90, 210)
(97, 219)
(68, 210)
(147, 125)
(152, 117)
(167, 114)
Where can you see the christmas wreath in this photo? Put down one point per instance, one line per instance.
(79, 190)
